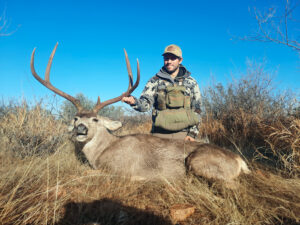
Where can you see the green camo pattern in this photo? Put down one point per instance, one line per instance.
(156, 87)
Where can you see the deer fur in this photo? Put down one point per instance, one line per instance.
(145, 157)
(212, 162)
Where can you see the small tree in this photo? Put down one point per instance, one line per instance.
(113, 112)
(68, 110)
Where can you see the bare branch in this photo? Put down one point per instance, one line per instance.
(286, 21)
(277, 26)
(5, 24)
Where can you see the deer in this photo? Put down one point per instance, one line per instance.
(141, 156)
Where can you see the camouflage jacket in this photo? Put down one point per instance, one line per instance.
(162, 79)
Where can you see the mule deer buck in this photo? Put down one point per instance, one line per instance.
(141, 156)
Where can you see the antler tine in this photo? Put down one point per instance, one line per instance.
(130, 89)
(137, 79)
(129, 71)
(47, 74)
(47, 83)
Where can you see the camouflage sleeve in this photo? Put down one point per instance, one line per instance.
(146, 100)
(193, 131)
(196, 106)
(196, 97)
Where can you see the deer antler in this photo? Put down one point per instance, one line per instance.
(47, 83)
(130, 89)
(75, 101)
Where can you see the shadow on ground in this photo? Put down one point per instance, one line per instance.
(108, 212)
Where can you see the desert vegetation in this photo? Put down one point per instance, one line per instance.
(42, 181)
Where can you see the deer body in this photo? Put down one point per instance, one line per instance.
(141, 156)
(148, 157)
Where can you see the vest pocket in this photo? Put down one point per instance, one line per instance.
(176, 119)
(175, 96)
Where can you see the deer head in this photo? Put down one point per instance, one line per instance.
(86, 123)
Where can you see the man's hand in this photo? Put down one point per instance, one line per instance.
(188, 138)
(129, 100)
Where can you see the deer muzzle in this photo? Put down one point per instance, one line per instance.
(81, 129)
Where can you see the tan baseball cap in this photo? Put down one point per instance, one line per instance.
(173, 49)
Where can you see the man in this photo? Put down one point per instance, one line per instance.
(174, 97)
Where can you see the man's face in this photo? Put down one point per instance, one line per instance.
(171, 62)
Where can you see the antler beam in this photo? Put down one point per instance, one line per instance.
(47, 83)
(130, 89)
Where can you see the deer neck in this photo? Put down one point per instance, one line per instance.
(94, 148)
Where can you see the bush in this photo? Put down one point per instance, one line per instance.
(245, 114)
(68, 110)
(30, 130)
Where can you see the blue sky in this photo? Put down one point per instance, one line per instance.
(92, 34)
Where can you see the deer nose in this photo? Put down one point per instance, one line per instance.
(82, 129)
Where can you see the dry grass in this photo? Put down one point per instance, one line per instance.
(275, 142)
(43, 186)
(28, 132)
(283, 137)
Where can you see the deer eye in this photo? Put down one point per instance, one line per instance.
(75, 119)
(95, 120)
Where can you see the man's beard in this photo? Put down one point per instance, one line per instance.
(172, 71)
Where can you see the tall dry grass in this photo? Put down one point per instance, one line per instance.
(276, 143)
(29, 132)
(42, 182)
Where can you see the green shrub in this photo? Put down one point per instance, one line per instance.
(68, 110)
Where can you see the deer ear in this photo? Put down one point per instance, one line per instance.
(112, 125)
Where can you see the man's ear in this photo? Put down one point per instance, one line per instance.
(180, 60)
